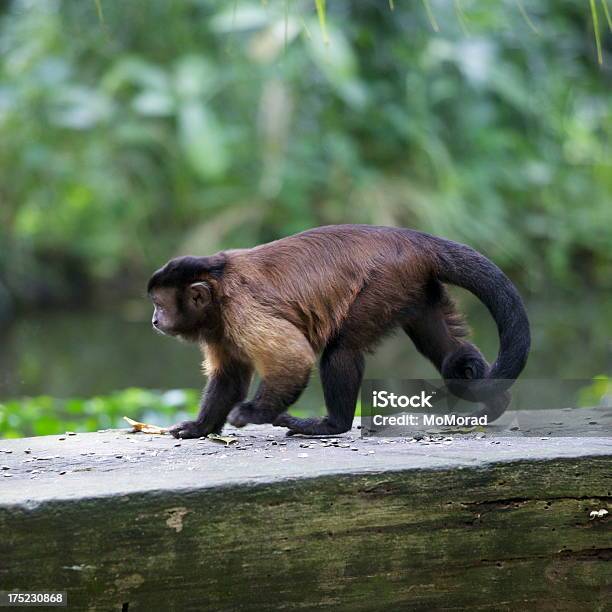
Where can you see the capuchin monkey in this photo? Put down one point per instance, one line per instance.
(334, 291)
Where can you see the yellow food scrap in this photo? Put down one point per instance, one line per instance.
(227, 440)
(145, 427)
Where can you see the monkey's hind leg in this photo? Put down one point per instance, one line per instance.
(264, 407)
(341, 374)
(438, 334)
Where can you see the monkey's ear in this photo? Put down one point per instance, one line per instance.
(199, 294)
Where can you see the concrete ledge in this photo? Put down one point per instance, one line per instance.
(149, 522)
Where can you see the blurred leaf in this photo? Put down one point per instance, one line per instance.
(604, 4)
(153, 103)
(135, 71)
(79, 108)
(194, 77)
(526, 17)
(599, 393)
(240, 16)
(268, 44)
(431, 16)
(596, 31)
(322, 16)
(202, 140)
(337, 61)
(99, 10)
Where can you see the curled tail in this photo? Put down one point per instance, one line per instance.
(465, 370)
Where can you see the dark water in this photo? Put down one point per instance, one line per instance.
(79, 354)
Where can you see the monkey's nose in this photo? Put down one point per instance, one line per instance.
(155, 323)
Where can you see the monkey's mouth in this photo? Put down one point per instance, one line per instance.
(162, 332)
(169, 333)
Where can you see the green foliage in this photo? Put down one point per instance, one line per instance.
(45, 415)
(599, 393)
(39, 416)
(131, 131)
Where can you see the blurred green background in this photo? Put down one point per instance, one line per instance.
(131, 132)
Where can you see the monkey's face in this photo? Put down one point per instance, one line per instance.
(182, 312)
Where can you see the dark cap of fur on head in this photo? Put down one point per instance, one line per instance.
(184, 270)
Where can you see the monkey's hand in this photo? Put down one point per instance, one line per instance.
(247, 412)
(192, 429)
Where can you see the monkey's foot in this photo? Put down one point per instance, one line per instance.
(190, 429)
(309, 427)
(495, 407)
(247, 412)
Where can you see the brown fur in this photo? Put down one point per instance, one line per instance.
(319, 280)
(276, 306)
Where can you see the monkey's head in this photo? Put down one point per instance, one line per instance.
(185, 296)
